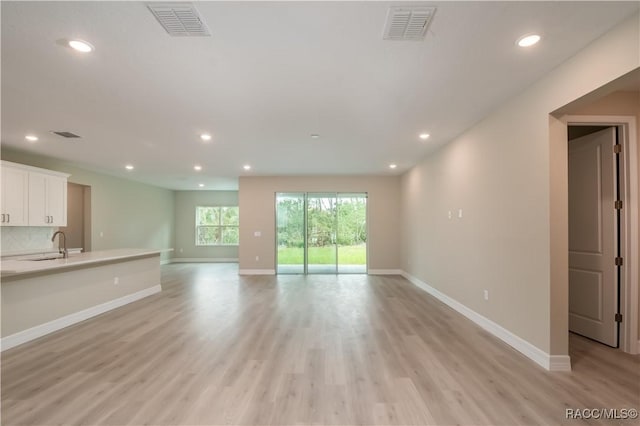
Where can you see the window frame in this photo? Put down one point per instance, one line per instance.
(220, 226)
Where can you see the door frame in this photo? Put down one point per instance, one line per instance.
(628, 175)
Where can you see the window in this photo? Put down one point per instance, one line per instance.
(217, 226)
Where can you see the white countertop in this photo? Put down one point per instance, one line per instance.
(20, 254)
(18, 267)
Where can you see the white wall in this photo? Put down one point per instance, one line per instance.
(499, 172)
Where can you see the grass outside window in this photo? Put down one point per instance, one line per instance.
(347, 255)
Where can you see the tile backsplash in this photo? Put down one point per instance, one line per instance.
(25, 238)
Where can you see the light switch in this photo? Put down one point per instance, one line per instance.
(459, 213)
(257, 234)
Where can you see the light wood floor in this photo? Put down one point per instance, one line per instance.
(214, 348)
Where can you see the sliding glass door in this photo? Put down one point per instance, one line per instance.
(322, 252)
(290, 233)
(321, 233)
(352, 233)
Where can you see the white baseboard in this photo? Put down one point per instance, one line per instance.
(203, 260)
(384, 272)
(540, 357)
(257, 272)
(559, 363)
(67, 320)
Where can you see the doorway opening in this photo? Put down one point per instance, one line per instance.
(613, 311)
(321, 233)
(78, 229)
(595, 204)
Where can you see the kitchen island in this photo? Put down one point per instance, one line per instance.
(42, 296)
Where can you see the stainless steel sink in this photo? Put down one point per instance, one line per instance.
(40, 259)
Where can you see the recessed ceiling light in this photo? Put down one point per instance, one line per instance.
(81, 46)
(424, 136)
(205, 137)
(528, 40)
(31, 138)
(201, 185)
(197, 168)
(315, 136)
(246, 167)
(393, 166)
(128, 167)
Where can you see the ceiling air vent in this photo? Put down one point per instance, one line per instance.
(408, 23)
(179, 19)
(65, 134)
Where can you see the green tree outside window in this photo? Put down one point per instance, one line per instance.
(217, 226)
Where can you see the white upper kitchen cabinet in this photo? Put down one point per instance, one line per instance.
(32, 196)
(47, 200)
(14, 196)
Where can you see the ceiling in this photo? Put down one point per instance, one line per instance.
(270, 75)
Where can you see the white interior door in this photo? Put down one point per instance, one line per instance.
(593, 290)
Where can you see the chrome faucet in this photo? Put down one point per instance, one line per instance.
(65, 253)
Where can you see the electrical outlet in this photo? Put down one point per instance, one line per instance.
(449, 214)
(116, 281)
(101, 234)
(180, 250)
(257, 234)
(486, 295)
(257, 258)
